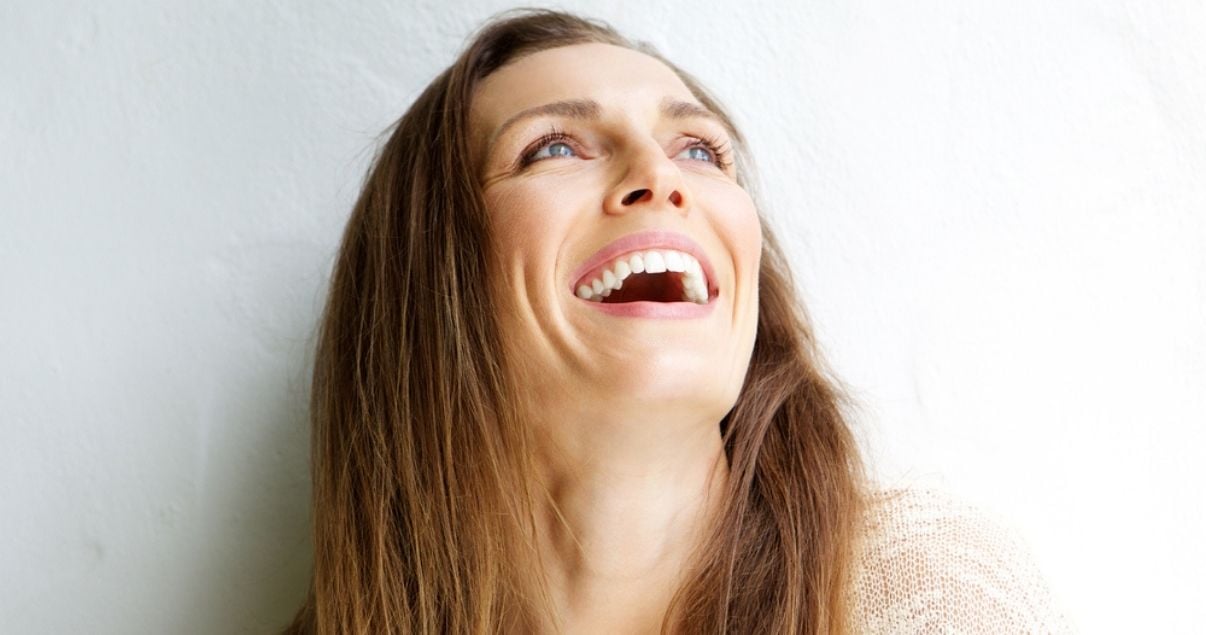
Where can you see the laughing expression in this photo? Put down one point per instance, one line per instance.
(624, 253)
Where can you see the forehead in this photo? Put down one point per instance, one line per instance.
(614, 76)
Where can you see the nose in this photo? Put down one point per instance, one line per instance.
(651, 180)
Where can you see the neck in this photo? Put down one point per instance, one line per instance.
(623, 515)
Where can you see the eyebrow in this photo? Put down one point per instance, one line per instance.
(671, 108)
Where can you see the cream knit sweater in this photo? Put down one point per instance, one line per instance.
(934, 564)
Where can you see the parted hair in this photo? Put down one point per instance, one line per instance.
(423, 488)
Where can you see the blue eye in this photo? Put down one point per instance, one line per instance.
(556, 144)
(709, 150)
(549, 146)
(557, 149)
(700, 153)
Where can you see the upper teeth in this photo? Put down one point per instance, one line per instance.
(611, 277)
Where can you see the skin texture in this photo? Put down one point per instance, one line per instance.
(626, 410)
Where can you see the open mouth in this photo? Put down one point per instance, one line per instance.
(653, 275)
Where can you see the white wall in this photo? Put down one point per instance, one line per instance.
(997, 212)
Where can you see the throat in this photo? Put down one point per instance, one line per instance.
(657, 287)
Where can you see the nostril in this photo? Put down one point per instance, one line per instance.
(634, 196)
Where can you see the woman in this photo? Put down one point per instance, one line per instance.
(564, 384)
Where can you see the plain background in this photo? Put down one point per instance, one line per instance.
(997, 214)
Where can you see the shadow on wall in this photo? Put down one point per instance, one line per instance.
(254, 554)
(255, 559)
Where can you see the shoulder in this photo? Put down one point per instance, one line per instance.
(931, 562)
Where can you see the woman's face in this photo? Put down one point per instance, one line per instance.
(596, 161)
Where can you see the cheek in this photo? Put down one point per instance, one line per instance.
(514, 215)
(528, 228)
(746, 229)
(738, 225)
(517, 208)
(735, 220)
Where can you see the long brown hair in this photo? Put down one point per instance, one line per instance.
(422, 495)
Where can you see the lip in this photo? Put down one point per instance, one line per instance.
(639, 241)
(660, 310)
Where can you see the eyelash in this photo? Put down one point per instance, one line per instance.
(719, 149)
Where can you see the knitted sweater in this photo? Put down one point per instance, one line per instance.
(934, 564)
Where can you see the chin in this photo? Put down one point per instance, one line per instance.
(695, 386)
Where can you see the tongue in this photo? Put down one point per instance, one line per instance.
(650, 287)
